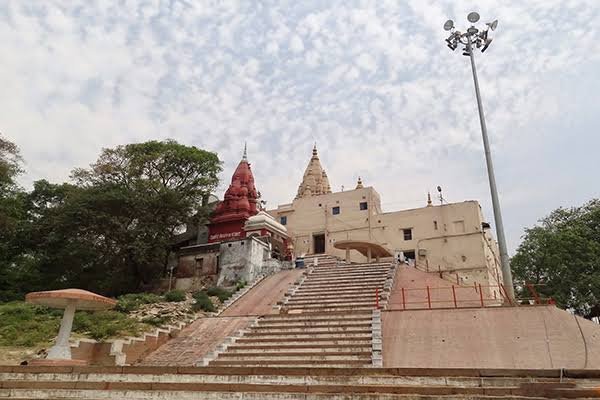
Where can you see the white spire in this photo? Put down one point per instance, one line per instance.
(245, 156)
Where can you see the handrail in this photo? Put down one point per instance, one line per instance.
(481, 296)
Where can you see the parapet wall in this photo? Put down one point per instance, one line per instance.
(495, 337)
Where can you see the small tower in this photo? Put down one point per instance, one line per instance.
(359, 184)
(429, 203)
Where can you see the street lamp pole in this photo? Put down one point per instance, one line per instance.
(480, 38)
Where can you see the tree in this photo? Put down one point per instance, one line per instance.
(11, 215)
(562, 254)
(110, 230)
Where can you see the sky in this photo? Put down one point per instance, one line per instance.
(371, 82)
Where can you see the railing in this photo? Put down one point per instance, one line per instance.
(457, 296)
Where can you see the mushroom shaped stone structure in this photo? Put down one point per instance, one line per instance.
(69, 300)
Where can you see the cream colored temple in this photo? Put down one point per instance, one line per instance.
(451, 238)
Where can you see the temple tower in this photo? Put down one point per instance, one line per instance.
(239, 203)
(315, 181)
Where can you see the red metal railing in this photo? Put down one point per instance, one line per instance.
(456, 296)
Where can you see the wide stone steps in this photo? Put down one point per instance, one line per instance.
(281, 383)
(308, 284)
(290, 363)
(348, 274)
(317, 300)
(350, 295)
(312, 329)
(342, 288)
(315, 342)
(346, 292)
(339, 305)
(315, 319)
(354, 333)
(300, 349)
(313, 325)
(298, 356)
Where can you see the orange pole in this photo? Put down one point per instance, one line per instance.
(481, 295)
(428, 298)
(403, 300)
(454, 296)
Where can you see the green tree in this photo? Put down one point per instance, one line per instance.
(11, 217)
(562, 254)
(111, 230)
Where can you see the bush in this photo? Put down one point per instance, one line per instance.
(203, 302)
(175, 296)
(221, 293)
(104, 324)
(132, 301)
(240, 284)
(157, 321)
(27, 325)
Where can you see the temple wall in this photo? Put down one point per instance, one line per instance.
(447, 238)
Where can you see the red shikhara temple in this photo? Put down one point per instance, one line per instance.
(239, 204)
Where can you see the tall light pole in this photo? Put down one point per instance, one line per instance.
(470, 39)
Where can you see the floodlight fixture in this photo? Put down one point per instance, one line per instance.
(473, 17)
(479, 39)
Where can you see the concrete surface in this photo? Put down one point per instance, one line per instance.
(195, 341)
(261, 298)
(493, 337)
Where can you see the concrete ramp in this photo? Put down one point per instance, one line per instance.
(493, 337)
(260, 299)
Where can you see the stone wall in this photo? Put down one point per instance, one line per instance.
(242, 260)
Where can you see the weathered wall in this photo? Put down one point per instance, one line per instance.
(495, 337)
(241, 260)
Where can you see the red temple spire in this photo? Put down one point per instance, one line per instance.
(241, 198)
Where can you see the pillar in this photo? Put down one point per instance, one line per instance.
(348, 254)
(62, 350)
(368, 254)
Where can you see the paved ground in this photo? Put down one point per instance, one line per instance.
(261, 298)
(415, 284)
(493, 337)
(198, 339)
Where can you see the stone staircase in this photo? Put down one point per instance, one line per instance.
(331, 318)
(182, 383)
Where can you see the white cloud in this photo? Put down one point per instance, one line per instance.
(296, 44)
(372, 83)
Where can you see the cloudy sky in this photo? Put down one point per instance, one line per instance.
(371, 82)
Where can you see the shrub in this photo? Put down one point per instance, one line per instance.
(157, 321)
(105, 324)
(27, 325)
(133, 301)
(203, 302)
(175, 295)
(222, 294)
(240, 284)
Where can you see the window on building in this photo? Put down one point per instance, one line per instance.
(335, 210)
(407, 233)
(283, 220)
(459, 226)
(435, 225)
(363, 205)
